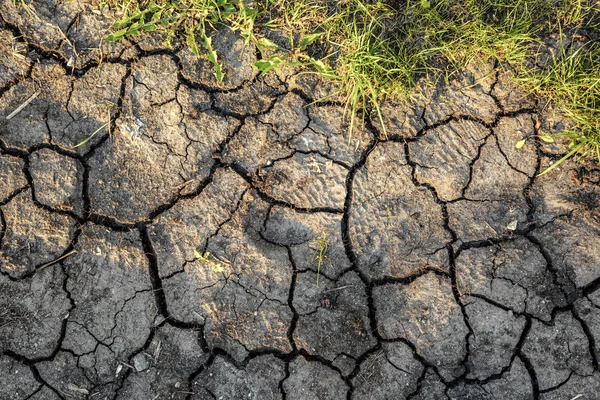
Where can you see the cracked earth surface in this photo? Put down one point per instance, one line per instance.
(451, 270)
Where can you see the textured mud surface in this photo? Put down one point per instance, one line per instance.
(449, 270)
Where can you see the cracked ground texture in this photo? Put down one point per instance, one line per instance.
(450, 270)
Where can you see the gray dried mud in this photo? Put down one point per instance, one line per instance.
(449, 269)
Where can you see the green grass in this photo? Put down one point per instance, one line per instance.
(321, 245)
(374, 51)
(572, 83)
(209, 261)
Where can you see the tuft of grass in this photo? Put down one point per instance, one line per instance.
(571, 81)
(321, 243)
(210, 261)
(194, 19)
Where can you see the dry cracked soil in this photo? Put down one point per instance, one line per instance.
(449, 269)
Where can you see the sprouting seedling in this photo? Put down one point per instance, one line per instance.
(106, 124)
(87, 139)
(545, 138)
(321, 248)
(29, 10)
(205, 259)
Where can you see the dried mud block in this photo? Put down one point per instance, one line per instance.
(432, 387)
(91, 104)
(445, 154)
(157, 107)
(240, 322)
(345, 364)
(153, 81)
(312, 380)
(305, 181)
(164, 367)
(45, 393)
(496, 333)
(558, 350)
(509, 131)
(16, 380)
(333, 317)
(391, 373)
(47, 28)
(494, 202)
(13, 62)
(30, 126)
(236, 58)
(255, 145)
(588, 309)
(131, 178)
(511, 98)
(114, 303)
(307, 234)
(461, 98)
(514, 274)
(83, 29)
(66, 373)
(248, 100)
(396, 228)
(288, 117)
(320, 89)
(493, 179)
(513, 384)
(568, 189)
(11, 176)
(258, 380)
(566, 207)
(482, 220)
(240, 290)
(32, 236)
(329, 133)
(425, 313)
(188, 225)
(57, 180)
(476, 76)
(158, 151)
(157, 41)
(193, 103)
(575, 253)
(205, 133)
(32, 311)
(66, 112)
(88, 37)
(400, 119)
(587, 385)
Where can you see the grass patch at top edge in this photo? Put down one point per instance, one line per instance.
(379, 49)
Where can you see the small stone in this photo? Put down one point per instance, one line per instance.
(512, 226)
(140, 363)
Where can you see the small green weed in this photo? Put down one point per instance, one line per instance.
(28, 9)
(210, 261)
(109, 106)
(321, 244)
